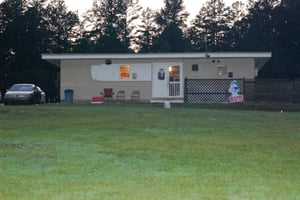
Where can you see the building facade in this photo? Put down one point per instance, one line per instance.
(155, 76)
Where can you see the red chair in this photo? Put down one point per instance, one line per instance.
(107, 93)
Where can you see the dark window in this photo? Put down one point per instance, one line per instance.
(195, 67)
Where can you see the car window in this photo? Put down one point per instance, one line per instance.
(21, 88)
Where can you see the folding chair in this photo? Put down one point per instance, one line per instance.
(135, 95)
(120, 95)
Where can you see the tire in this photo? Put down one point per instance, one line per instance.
(36, 99)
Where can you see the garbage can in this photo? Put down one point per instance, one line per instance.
(69, 95)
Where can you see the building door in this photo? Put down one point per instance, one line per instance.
(167, 80)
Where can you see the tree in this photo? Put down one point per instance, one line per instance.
(146, 32)
(254, 31)
(210, 26)
(31, 28)
(237, 14)
(133, 18)
(11, 36)
(172, 24)
(62, 27)
(109, 25)
(285, 62)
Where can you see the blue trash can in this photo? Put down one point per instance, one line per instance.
(69, 95)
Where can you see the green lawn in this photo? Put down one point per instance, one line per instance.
(147, 152)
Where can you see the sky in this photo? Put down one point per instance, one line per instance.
(190, 5)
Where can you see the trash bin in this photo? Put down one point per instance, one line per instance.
(69, 95)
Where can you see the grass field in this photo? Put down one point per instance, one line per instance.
(147, 152)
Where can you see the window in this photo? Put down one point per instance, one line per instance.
(221, 70)
(195, 67)
(174, 73)
(124, 72)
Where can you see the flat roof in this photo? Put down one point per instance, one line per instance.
(157, 56)
(260, 57)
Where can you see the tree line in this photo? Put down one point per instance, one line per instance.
(29, 28)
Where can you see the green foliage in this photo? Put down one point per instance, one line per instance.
(60, 26)
(212, 23)
(171, 40)
(171, 20)
(173, 13)
(29, 29)
(285, 62)
(147, 32)
(110, 25)
(257, 27)
(147, 152)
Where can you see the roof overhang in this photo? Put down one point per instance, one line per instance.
(260, 57)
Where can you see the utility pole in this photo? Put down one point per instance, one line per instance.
(206, 48)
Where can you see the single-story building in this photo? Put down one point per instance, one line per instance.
(153, 77)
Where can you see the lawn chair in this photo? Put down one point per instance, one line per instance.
(135, 95)
(120, 95)
(107, 93)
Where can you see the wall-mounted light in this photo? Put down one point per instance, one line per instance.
(108, 61)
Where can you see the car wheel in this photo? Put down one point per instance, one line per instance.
(35, 100)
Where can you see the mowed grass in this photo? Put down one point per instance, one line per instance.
(147, 152)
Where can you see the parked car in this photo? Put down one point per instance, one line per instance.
(24, 93)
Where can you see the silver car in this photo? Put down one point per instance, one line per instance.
(24, 94)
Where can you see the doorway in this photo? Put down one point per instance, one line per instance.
(167, 80)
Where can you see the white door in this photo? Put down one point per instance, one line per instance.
(167, 80)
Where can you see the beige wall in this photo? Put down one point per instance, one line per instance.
(76, 75)
(208, 68)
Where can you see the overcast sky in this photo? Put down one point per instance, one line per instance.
(192, 6)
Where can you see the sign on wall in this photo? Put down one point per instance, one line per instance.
(121, 72)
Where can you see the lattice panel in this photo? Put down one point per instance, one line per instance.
(209, 90)
(217, 90)
(249, 90)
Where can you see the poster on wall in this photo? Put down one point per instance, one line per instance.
(161, 74)
(121, 72)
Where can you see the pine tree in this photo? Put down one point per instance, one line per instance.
(61, 25)
(110, 23)
(208, 29)
(172, 27)
(146, 32)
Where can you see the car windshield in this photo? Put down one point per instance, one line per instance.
(21, 88)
